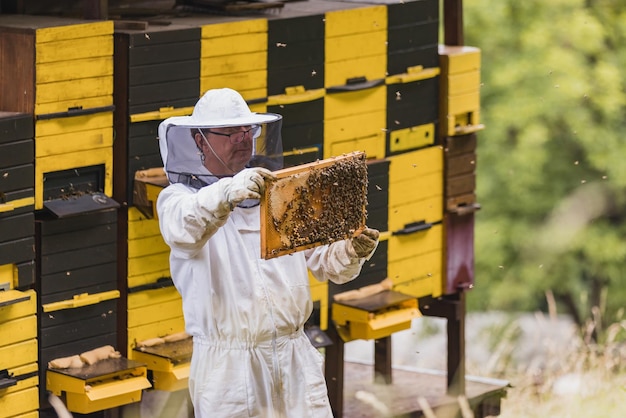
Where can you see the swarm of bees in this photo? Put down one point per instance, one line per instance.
(327, 205)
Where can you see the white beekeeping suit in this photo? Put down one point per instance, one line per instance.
(251, 357)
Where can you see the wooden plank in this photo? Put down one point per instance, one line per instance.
(313, 204)
(401, 398)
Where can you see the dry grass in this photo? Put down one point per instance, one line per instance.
(585, 380)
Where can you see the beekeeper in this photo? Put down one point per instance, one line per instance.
(251, 357)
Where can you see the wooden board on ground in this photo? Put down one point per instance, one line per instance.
(412, 389)
(313, 204)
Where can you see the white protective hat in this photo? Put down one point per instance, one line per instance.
(216, 108)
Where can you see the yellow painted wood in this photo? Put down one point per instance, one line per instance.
(428, 286)
(74, 89)
(173, 381)
(251, 84)
(352, 127)
(8, 273)
(258, 107)
(101, 392)
(234, 44)
(147, 246)
(464, 123)
(358, 20)
(166, 375)
(74, 31)
(135, 214)
(461, 83)
(338, 73)
(73, 160)
(60, 144)
(155, 313)
(17, 203)
(141, 227)
(373, 146)
(17, 330)
(413, 74)
(429, 210)
(415, 244)
(462, 103)
(411, 138)
(63, 126)
(16, 310)
(169, 326)
(14, 355)
(242, 27)
(20, 403)
(81, 102)
(148, 298)
(295, 95)
(162, 113)
(74, 49)
(74, 69)
(337, 105)
(148, 264)
(20, 386)
(417, 163)
(349, 47)
(233, 63)
(148, 278)
(23, 370)
(319, 293)
(417, 276)
(458, 59)
(366, 325)
(80, 300)
(420, 187)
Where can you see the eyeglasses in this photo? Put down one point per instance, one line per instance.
(237, 137)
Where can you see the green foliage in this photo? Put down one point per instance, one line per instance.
(550, 172)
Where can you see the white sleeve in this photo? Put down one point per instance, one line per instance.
(335, 262)
(188, 218)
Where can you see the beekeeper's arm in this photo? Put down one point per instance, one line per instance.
(341, 261)
(188, 219)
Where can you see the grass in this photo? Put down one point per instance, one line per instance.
(586, 379)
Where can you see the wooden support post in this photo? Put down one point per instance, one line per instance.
(456, 347)
(334, 370)
(382, 360)
(451, 307)
(453, 22)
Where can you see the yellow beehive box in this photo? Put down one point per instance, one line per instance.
(104, 385)
(355, 45)
(234, 54)
(459, 90)
(376, 316)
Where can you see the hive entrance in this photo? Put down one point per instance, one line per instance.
(314, 204)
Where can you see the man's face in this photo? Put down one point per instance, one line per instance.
(231, 145)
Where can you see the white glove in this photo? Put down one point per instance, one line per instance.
(364, 243)
(247, 184)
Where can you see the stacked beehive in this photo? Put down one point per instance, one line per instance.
(64, 81)
(460, 120)
(157, 75)
(18, 303)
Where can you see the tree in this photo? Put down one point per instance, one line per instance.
(551, 174)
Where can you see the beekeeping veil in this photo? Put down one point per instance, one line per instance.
(218, 108)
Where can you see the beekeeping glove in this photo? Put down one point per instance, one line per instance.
(247, 184)
(365, 243)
